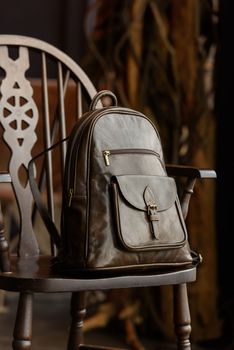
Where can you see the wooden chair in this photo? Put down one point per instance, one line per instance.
(29, 123)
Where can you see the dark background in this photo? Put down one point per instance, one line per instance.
(60, 22)
(225, 148)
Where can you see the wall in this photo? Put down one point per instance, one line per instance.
(60, 22)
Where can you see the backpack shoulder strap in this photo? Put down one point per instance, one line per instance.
(45, 215)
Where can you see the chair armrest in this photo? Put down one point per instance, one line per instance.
(190, 172)
(4, 248)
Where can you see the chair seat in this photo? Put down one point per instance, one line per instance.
(35, 275)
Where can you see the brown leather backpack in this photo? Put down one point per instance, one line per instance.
(120, 210)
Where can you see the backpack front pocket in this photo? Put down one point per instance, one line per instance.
(147, 212)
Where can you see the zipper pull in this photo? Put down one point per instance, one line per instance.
(70, 195)
(106, 157)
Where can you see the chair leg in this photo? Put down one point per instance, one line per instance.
(4, 248)
(78, 312)
(182, 318)
(23, 324)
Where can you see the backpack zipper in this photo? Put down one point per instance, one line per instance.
(70, 195)
(108, 153)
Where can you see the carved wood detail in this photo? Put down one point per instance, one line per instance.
(19, 117)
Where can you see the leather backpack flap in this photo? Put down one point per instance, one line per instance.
(147, 213)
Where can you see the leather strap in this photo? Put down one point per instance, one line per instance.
(99, 96)
(50, 225)
(152, 211)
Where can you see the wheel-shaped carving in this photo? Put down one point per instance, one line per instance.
(17, 113)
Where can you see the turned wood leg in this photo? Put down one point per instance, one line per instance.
(182, 318)
(78, 312)
(4, 248)
(23, 324)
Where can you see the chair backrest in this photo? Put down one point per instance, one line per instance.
(42, 93)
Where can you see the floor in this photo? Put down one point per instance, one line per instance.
(51, 325)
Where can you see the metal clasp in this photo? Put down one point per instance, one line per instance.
(152, 212)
